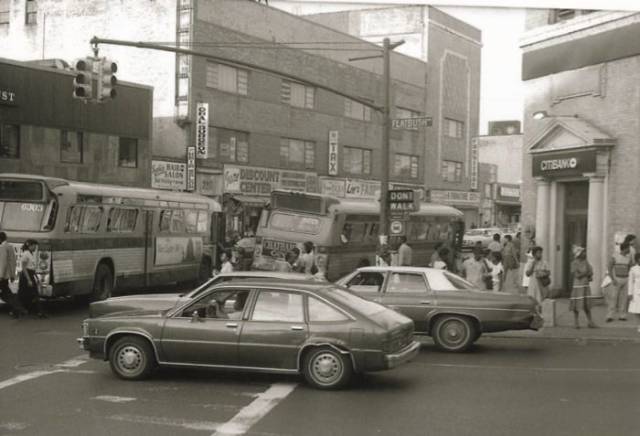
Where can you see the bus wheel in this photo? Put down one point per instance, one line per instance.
(102, 283)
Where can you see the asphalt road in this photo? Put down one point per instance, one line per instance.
(504, 386)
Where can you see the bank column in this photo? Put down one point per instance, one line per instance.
(595, 220)
(543, 208)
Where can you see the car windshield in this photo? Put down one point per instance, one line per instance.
(445, 281)
(365, 307)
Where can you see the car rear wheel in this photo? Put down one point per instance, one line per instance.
(327, 368)
(131, 358)
(454, 333)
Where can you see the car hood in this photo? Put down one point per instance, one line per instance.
(134, 302)
(136, 314)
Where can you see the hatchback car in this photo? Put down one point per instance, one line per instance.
(170, 300)
(322, 331)
(443, 305)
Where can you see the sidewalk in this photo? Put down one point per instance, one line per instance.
(563, 329)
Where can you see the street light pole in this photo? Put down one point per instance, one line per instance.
(384, 179)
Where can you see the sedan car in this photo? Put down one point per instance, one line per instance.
(444, 306)
(484, 236)
(320, 330)
(170, 300)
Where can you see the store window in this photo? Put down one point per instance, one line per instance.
(231, 145)
(297, 94)
(5, 11)
(406, 165)
(297, 154)
(357, 161)
(228, 79)
(453, 128)
(451, 171)
(356, 110)
(31, 13)
(128, 153)
(71, 144)
(9, 141)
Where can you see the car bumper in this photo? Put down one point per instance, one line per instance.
(83, 344)
(537, 322)
(402, 356)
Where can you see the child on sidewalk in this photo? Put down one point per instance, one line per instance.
(634, 289)
(497, 271)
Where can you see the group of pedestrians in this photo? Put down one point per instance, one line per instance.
(495, 268)
(27, 299)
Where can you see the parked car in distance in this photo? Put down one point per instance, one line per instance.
(444, 306)
(170, 300)
(473, 236)
(317, 329)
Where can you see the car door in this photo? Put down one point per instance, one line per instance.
(206, 332)
(367, 284)
(274, 332)
(408, 293)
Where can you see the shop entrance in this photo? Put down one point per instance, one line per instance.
(575, 229)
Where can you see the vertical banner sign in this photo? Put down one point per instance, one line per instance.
(333, 152)
(191, 168)
(202, 130)
(474, 163)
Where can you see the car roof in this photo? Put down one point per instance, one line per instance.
(300, 285)
(264, 274)
(396, 269)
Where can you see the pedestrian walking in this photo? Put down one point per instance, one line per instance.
(634, 289)
(631, 240)
(494, 245)
(581, 276)
(497, 272)
(510, 264)
(28, 282)
(525, 278)
(441, 262)
(8, 275)
(616, 294)
(225, 260)
(539, 275)
(405, 253)
(306, 263)
(474, 269)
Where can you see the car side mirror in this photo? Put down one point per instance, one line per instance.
(195, 317)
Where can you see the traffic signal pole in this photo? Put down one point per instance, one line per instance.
(386, 125)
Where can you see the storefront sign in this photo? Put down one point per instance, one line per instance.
(333, 152)
(168, 175)
(261, 181)
(332, 187)
(455, 198)
(473, 169)
(570, 163)
(509, 192)
(202, 130)
(7, 97)
(191, 168)
(362, 189)
(209, 184)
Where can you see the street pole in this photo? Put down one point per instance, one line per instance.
(384, 179)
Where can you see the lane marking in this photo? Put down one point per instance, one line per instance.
(157, 420)
(256, 410)
(61, 367)
(528, 368)
(114, 398)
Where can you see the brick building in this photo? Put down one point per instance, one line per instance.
(264, 130)
(580, 159)
(452, 50)
(43, 130)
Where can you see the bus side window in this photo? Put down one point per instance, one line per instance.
(90, 222)
(191, 220)
(202, 225)
(122, 220)
(177, 221)
(73, 219)
(165, 220)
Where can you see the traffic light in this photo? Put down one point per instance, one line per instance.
(82, 83)
(107, 80)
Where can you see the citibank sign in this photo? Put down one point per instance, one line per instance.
(564, 164)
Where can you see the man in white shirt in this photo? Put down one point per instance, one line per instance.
(8, 273)
(405, 253)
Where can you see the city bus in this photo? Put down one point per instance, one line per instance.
(345, 232)
(97, 239)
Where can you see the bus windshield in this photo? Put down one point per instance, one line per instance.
(24, 216)
(295, 223)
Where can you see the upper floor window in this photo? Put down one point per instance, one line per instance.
(297, 154)
(128, 153)
(226, 78)
(407, 113)
(557, 15)
(453, 128)
(232, 145)
(356, 110)
(10, 141)
(451, 171)
(357, 161)
(31, 13)
(406, 165)
(5, 11)
(297, 94)
(71, 145)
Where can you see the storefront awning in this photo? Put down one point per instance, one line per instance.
(250, 200)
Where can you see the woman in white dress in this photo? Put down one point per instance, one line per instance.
(633, 289)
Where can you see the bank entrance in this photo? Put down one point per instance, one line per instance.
(575, 213)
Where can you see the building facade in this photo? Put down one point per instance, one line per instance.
(580, 156)
(224, 129)
(44, 130)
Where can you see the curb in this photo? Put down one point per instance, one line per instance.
(566, 336)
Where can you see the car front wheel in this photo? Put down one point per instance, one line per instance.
(327, 368)
(454, 333)
(131, 358)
